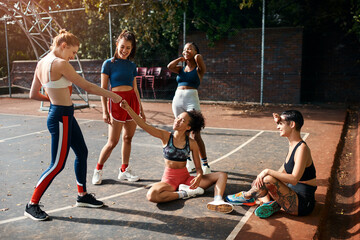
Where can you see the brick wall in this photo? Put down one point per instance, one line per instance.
(22, 72)
(331, 67)
(234, 66)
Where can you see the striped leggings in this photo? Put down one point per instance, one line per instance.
(65, 133)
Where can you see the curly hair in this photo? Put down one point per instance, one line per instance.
(197, 121)
(195, 46)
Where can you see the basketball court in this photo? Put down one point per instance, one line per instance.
(25, 144)
(241, 145)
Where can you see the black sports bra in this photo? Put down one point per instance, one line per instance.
(309, 173)
(173, 153)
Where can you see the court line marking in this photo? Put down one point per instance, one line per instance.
(11, 126)
(34, 133)
(238, 227)
(248, 214)
(133, 190)
(236, 149)
(159, 125)
(20, 136)
(73, 206)
(242, 222)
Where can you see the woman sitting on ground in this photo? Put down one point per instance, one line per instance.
(176, 181)
(293, 186)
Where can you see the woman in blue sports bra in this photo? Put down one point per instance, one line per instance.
(56, 75)
(293, 186)
(186, 96)
(176, 181)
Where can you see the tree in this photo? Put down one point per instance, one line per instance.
(156, 24)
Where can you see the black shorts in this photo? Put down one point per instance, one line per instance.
(306, 196)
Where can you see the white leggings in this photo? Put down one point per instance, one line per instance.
(185, 100)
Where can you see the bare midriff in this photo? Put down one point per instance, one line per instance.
(185, 87)
(122, 88)
(174, 164)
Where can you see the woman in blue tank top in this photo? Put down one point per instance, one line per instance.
(293, 186)
(176, 181)
(186, 96)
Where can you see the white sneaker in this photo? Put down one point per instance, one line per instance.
(206, 169)
(191, 192)
(97, 177)
(190, 166)
(220, 206)
(127, 175)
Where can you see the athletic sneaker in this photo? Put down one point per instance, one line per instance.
(34, 212)
(127, 175)
(267, 209)
(220, 206)
(239, 199)
(190, 166)
(88, 200)
(206, 169)
(191, 192)
(97, 177)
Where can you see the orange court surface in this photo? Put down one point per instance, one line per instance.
(241, 139)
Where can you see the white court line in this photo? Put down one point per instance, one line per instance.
(236, 149)
(242, 222)
(238, 227)
(159, 125)
(133, 190)
(73, 206)
(248, 214)
(11, 126)
(20, 136)
(305, 136)
(33, 133)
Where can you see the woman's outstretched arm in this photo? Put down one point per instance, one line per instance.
(153, 131)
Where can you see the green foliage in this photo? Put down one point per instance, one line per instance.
(158, 24)
(219, 19)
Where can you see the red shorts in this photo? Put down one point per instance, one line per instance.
(175, 177)
(119, 114)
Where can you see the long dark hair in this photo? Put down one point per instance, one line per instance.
(128, 36)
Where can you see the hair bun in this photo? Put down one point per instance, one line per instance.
(62, 31)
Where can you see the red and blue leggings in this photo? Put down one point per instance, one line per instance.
(65, 133)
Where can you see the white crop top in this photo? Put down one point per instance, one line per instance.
(61, 83)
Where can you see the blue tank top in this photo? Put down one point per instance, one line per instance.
(121, 72)
(190, 79)
(309, 173)
(173, 153)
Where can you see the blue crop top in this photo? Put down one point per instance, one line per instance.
(173, 153)
(121, 72)
(309, 173)
(190, 79)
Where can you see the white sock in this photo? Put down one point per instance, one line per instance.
(217, 198)
(182, 194)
